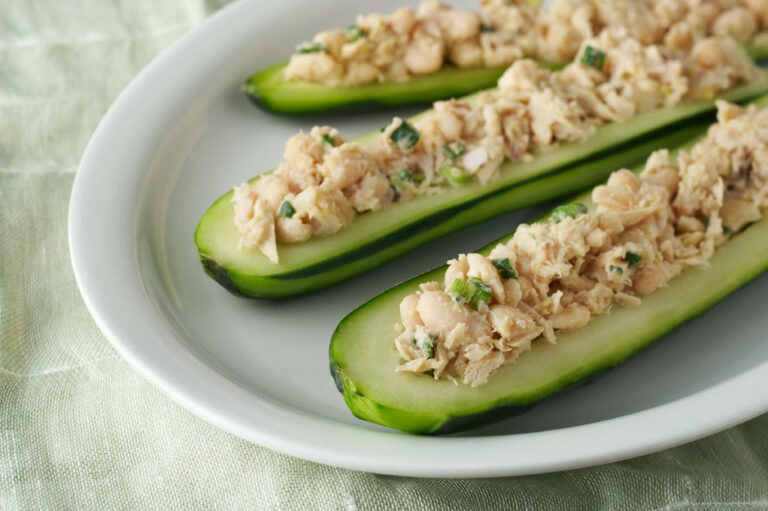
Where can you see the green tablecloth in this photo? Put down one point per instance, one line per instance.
(79, 429)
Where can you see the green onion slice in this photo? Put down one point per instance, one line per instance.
(505, 268)
(286, 209)
(572, 210)
(632, 259)
(472, 291)
(454, 149)
(405, 136)
(426, 345)
(401, 179)
(328, 139)
(454, 174)
(355, 32)
(593, 58)
(616, 269)
(311, 48)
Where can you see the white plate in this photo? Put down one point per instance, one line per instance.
(181, 134)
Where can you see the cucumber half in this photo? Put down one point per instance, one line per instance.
(376, 237)
(363, 355)
(270, 90)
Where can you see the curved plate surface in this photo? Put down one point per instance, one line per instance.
(181, 134)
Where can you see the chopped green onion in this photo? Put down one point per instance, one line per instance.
(726, 229)
(401, 179)
(454, 149)
(355, 32)
(311, 48)
(505, 268)
(328, 139)
(429, 348)
(472, 291)
(395, 181)
(632, 259)
(461, 291)
(426, 345)
(572, 210)
(483, 291)
(454, 174)
(405, 136)
(486, 28)
(616, 269)
(286, 209)
(706, 223)
(593, 58)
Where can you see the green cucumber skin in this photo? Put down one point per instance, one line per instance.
(268, 89)
(220, 274)
(758, 52)
(551, 186)
(753, 241)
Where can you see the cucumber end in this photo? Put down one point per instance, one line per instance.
(220, 274)
(369, 410)
(255, 99)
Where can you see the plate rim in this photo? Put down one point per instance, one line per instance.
(344, 445)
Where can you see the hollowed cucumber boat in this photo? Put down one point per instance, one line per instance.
(376, 237)
(363, 355)
(270, 90)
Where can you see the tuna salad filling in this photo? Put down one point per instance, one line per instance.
(406, 43)
(326, 180)
(555, 275)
